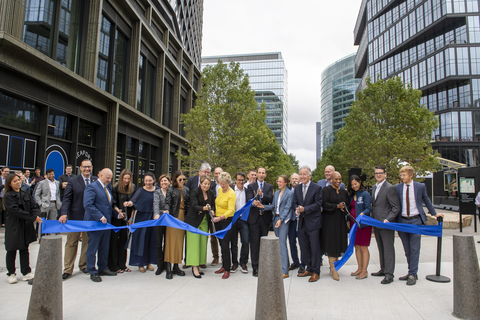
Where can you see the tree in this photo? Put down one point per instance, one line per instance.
(334, 156)
(226, 128)
(387, 126)
(294, 162)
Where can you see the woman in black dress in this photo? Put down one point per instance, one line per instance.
(21, 213)
(334, 225)
(121, 193)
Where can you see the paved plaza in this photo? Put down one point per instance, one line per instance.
(138, 295)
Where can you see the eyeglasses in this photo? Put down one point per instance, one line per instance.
(240, 180)
(87, 167)
(379, 173)
(182, 179)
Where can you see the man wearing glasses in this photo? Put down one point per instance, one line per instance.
(385, 208)
(239, 226)
(72, 209)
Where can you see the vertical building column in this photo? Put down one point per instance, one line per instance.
(110, 147)
(12, 17)
(176, 103)
(159, 90)
(134, 59)
(166, 152)
(91, 47)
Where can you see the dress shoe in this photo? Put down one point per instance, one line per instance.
(285, 276)
(142, 269)
(305, 274)
(294, 266)
(107, 272)
(255, 273)
(95, 277)
(387, 280)
(160, 269)
(356, 273)
(405, 278)
(65, 276)
(176, 270)
(221, 270)
(301, 270)
(185, 266)
(378, 274)
(150, 267)
(215, 261)
(314, 278)
(411, 280)
(85, 271)
(362, 276)
(203, 266)
(244, 268)
(233, 269)
(226, 274)
(168, 268)
(199, 275)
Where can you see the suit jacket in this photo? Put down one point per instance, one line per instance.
(64, 178)
(312, 215)
(195, 212)
(323, 183)
(96, 203)
(72, 205)
(285, 208)
(42, 195)
(266, 199)
(386, 205)
(420, 193)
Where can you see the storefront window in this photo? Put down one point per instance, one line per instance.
(19, 114)
(86, 133)
(59, 125)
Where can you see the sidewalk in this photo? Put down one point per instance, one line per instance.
(146, 296)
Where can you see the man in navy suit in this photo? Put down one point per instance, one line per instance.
(72, 209)
(410, 195)
(258, 220)
(98, 207)
(307, 202)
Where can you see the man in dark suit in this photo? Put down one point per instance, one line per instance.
(410, 196)
(307, 202)
(98, 205)
(385, 208)
(258, 220)
(3, 179)
(193, 183)
(63, 179)
(72, 209)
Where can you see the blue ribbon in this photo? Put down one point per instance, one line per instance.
(434, 231)
(55, 226)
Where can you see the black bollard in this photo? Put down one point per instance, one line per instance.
(437, 277)
(46, 299)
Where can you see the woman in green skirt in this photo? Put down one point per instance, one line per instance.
(202, 201)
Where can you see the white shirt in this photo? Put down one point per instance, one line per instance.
(411, 198)
(3, 183)
(477, 199)
(306, 189)
(89, 180)
(53, 189)
(241, 198)
(379, 185)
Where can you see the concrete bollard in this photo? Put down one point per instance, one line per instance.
(270, 291)
(46, 299)
(466, 278)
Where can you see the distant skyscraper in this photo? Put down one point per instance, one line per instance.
(338, 88)
(435, 46)
(190, 20)
(319, 140)
(268, 77)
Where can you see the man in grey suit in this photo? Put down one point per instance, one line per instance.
(385, 208)
(410, 196)
(47, 196)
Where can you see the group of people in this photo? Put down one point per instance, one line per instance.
(315, 213)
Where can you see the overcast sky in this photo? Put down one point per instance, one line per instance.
(311, 35)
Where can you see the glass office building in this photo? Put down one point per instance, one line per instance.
(268, 77)
(434, 45)
(319, 140)
(338, 87)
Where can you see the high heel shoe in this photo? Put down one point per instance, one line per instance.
(198, 277)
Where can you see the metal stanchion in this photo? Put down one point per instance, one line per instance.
(437, 277)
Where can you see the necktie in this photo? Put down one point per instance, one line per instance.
(304, 191)
(108, 194)
(408, 200)
(261, 186)
(87, 181)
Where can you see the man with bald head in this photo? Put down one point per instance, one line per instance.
(329, 170)
(97, 201)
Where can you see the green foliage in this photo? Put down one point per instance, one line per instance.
(294, 162)
(227, 129)
(334, 156)
(386, 126)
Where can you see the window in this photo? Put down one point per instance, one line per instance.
(449, 126)
(173, 51)
(472, 6)
(450, 68)
(183, 110)
(113, 51)
(86, 133)
(474, 29)
(431, 70)
(398, 28)
(146, 81)
(458, 6)
(476, 118)
(59, 125)
(437, 12)
(442, 100)
(452, 95)
(420, 21)
(413, 54)
(404, 59)
(167, 117)
(464, 95)
(55, 28)
(413, 25)
(462, 60)
(440, 66)
(405, 28)
(19, 114)
(422, 74)
(414, 71)
(461, 34)
(392, 38)
(476, 93)
(466, 126)
(430, 46)
(421, 50)
(432, 102)
(439, 42)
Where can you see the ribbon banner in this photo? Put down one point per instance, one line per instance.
(434, 231)
(55, 226)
